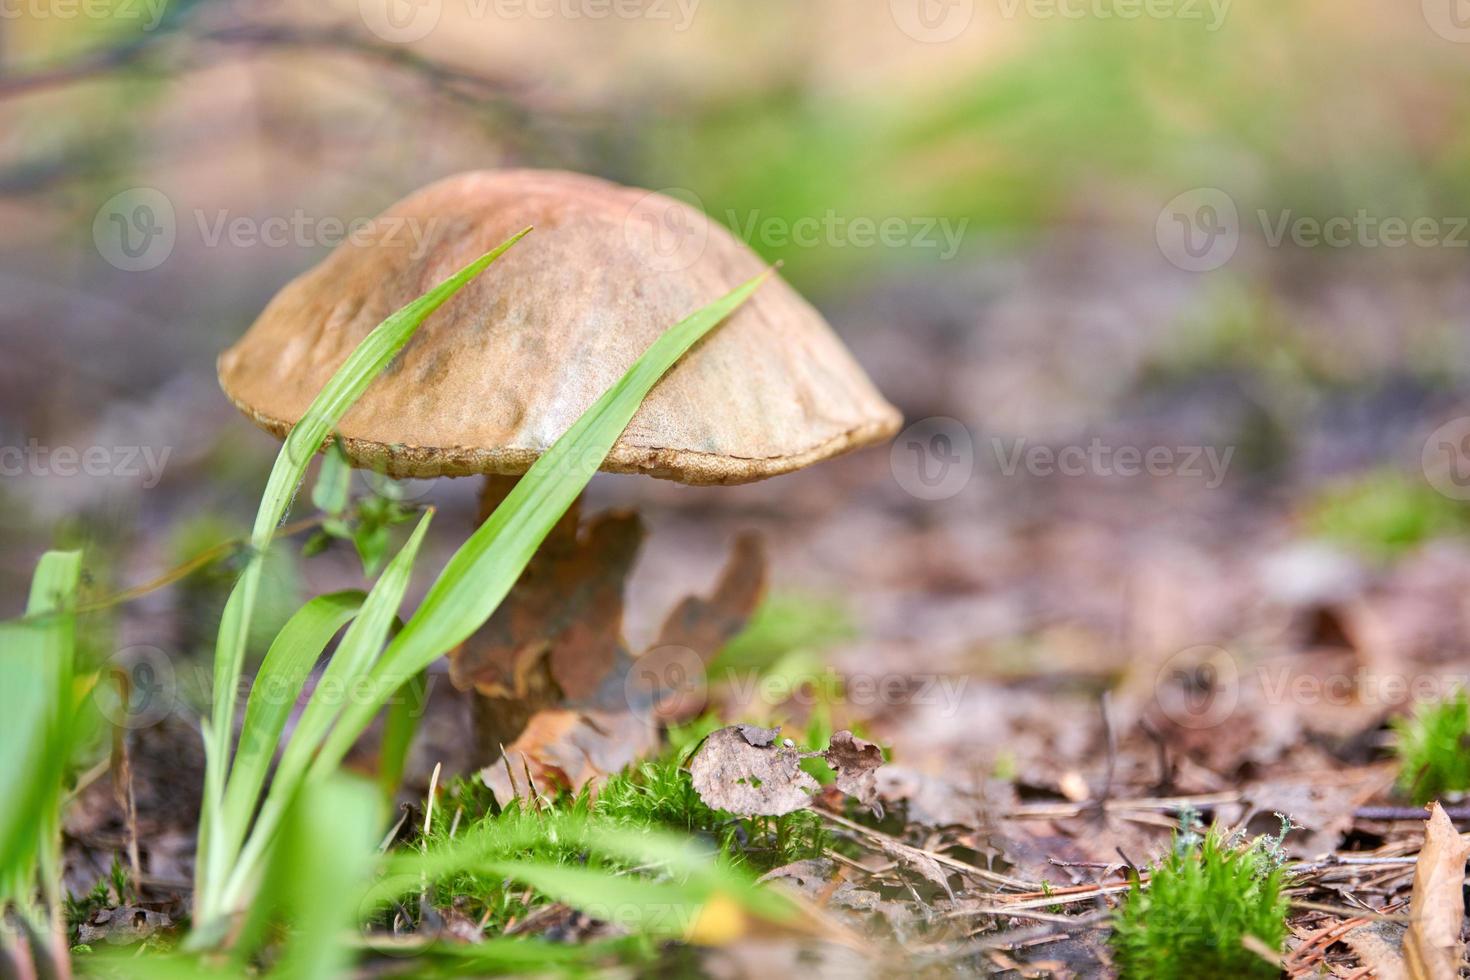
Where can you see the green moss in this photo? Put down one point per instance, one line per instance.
(1200, 904)
(661, 794)
(1434, 749)
(654, 794)
(1384, 513)
(79, 909)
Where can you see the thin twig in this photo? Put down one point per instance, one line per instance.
(207, 557)
(1061, 896)
(122, 786)
(1352, 913)
(1051, 811)
(993, 877)
(1111, 739)
(1407, 813)
(338, 39)
(1333, 861)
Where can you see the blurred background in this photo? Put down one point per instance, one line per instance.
(1174, 293)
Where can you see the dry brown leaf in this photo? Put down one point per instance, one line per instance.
(1432, 947)
(669, 680)
(856, 763)
(743, 769)
(706, 624)
(564, 749)
(758, 736)
(751, 771)
(1379, 947)
(809, 877)
(559, 631)
(557, 686)
(932, 801)
(919, 861)
(1320, 805)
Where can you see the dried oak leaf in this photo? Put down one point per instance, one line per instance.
(1319, 804)
(933, 801)
(758, 736)
(919, 861)
(745, 769)
(559, 691)
(1432, 946)
(742, 769)
(558, 633)
(1379, 947)
(705, 624)
(856, 763)
(810, 877)
(566, 749)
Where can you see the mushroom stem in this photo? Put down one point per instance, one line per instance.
(499, 720)
(497, 488)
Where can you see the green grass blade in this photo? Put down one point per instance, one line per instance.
(333, 487)
(483, 570)
(400, 722)
(657, 908)
(346, 670)
(689, 875)
(36, 665)
(125, 963)
(277, 687)
(363, 365)
(318, 871)
(534, 957)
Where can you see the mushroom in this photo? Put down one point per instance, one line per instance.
(508, 364)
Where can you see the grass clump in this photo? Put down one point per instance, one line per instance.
(1433, 748)
(656, 796)
(661, 794)
(517, 833)
(507, 872)
(109, 892)
(1201, 903)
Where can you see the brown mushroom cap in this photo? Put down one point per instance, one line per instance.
(508, 364)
